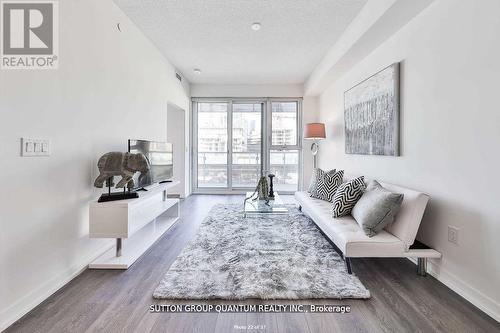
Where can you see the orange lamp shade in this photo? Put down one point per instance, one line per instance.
(314, 131)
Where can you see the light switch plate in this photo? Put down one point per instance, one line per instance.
(453, 234)
(35, 147)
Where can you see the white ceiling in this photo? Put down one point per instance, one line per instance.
(215, 36)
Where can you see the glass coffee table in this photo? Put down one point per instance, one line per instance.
(255, 207)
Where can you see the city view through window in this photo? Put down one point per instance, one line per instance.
(246, 155)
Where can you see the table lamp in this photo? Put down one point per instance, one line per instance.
(316, 132)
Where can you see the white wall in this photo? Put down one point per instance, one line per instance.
(450, 135)
(236, 90)
(110, 86)
(176, 134)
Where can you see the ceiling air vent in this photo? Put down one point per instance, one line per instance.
(178, 76)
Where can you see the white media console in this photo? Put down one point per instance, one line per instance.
(135, 224)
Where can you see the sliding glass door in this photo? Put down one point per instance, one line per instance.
(246, 144)
(212, 144)
(235, 139)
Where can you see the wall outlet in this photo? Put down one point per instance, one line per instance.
(35, 147)
(453, 234)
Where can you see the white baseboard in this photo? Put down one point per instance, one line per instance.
(29, 301)
(477, 298)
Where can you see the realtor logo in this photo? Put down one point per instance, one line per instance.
(29, 34)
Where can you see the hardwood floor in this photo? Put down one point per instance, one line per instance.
(118, 301)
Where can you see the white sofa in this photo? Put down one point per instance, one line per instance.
(394, 241)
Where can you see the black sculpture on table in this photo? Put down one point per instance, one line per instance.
(271, 192)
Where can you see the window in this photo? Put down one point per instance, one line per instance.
(212, 145)
(284, 123)
(285, 150)
(235, 139)
(285, 165)
(246, 147)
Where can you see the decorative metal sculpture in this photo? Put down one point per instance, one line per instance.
(262, 191)
(120, 164)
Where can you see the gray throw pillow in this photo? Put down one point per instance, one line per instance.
(376, 208)
(317, 174)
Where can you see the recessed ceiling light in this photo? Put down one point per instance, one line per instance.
(256, 26)
(197, 71)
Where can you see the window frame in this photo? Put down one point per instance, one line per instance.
(194, 148)
(298, 146)
(267, 147)
(298, 141)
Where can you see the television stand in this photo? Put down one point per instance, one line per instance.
(136, 224)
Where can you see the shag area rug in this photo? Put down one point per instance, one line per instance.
(265, 257)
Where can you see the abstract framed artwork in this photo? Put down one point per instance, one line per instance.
(371, 114)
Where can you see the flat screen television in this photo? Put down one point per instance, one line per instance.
(160, 158)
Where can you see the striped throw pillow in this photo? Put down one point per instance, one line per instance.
(347, 195)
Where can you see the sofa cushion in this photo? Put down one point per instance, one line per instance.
(407, 220)
(327, 185)
(346, 234)
(316, 174)
(347, 195)
(376, 208)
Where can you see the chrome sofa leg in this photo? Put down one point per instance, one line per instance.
(348, 264)
(422, 266)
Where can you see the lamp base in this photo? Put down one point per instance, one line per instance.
(314, 148)
(314, 152)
